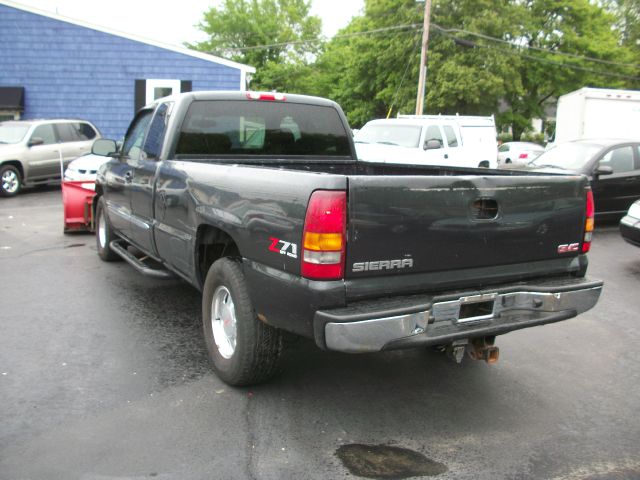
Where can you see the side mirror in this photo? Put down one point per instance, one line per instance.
(35, 141)
(432, 145)
(104, 147)
(603, 170)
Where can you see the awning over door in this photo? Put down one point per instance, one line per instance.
(12, 98)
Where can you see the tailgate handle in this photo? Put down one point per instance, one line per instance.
(484, 209)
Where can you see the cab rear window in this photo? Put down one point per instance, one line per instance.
(231, 127)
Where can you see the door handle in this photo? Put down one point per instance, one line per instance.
(446, 155)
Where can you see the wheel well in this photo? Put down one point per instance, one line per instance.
(484, 164)
(212, 244)
(16, 164)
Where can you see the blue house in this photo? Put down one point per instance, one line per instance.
(55, 67)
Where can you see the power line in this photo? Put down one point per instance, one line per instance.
(413, 27)
(510, 51)
(531, 47)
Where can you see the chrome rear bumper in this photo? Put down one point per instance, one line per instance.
(448, 318)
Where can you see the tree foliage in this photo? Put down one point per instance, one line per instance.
(510, 57)
(236, 27)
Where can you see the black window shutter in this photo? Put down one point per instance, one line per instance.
(185, 86)
(140, 95)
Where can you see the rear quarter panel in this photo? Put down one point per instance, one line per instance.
(261, 209)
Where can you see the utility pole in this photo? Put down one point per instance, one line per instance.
(423, 58)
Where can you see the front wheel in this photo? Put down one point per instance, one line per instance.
(243, 350)
(10, 181)
(104, 233)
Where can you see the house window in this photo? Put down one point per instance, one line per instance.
(158, 88)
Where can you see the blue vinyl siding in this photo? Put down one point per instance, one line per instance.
(69, 71)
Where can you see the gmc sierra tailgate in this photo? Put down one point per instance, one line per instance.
(404, 225)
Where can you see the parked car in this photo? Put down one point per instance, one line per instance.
(518, 153)
(630, 225)
(612, 165)
(451, 140)
(84, 168)
(31, 150)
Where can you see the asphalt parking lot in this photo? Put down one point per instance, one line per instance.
(104, 375)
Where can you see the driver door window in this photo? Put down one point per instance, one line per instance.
(433, 133)
(46, 133)
(132, 146)
(619, 159)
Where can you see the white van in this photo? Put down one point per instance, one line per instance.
(464, 141)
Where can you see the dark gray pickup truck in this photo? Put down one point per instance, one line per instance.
(257, 199)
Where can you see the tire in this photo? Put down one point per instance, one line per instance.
(10, 181)
(242, 350)
(484, 164)
(508, 160)
(104, 233)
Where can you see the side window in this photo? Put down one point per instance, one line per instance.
(132, 146)
(46, 133)
(452, 140)
(84, 131)
(503, 148)
(433, 133)
(619, 159)
(67, 133)
(157, 129)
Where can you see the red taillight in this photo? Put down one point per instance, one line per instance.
(589, 222)
(524, 155)
(325, 236)
(272, 97)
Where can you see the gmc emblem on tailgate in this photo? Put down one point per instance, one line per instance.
(568, 247)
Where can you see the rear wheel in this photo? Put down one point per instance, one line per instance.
(104, 233)
(10, 181)
(484, 164)
(243, 350)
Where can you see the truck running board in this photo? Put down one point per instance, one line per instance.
(120, 247)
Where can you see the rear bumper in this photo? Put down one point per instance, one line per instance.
(630, 230)
(423, 320)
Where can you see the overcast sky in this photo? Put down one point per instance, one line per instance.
(173, 22)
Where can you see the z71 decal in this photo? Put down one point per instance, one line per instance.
(283, 247)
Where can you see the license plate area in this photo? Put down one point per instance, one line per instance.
(467, 309)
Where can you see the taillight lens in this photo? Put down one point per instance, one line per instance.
(324, 236)
(589, 223)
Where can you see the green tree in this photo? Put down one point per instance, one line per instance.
(574, 28)
(374, 73)
(239, 29)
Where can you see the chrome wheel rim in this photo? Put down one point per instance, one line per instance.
(102, 231)
(10, 181)
(223, 322)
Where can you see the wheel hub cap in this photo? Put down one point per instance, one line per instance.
(10, 181)
(223, 322)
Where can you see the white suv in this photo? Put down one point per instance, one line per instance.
(31, 150)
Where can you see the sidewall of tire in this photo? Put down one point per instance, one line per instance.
(236, 370)
(105, 253)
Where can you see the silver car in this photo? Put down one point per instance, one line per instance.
(516, 154)
(31, 150)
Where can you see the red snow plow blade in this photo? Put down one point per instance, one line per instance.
(77, 199)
